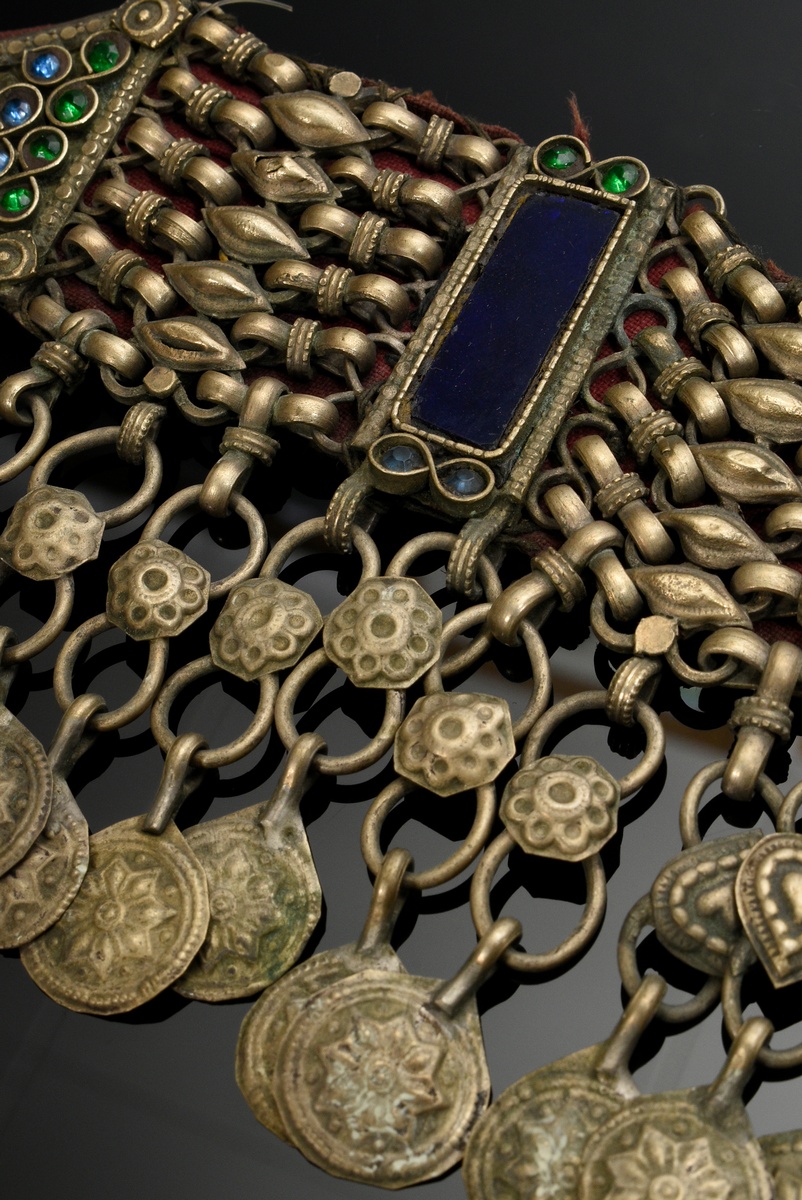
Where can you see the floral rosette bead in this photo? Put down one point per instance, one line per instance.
(453, 741)
(563, 806)
(155, 591)
(51, 532)
(385, 635)
(265, 626)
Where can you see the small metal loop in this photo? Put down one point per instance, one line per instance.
(742, 959)
(364, 544)
(75, 733)
(389, 893)
(538, 659)
(486, 573)
(142, 698)
(636, 920)
(37, 439)
(94, 439)
(786, 817)
(692, 798)
(449, 868)
(242, 507)
(52, 628)
(613, 639)
(177, 781)
(583, 934)
(326, 764)
(222, 756)
(645, 716)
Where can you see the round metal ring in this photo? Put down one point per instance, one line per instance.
(53, 626)
(646, 717)
(93, 439)
(591, 919)
(142, 698)
(231, 752)
(692, 796)
(327, 764)
(450, 867)
(742, 959)
(538, 659)
(486, 573)
(242, 507)
(37, 439)
(636, 920)
(365, 546)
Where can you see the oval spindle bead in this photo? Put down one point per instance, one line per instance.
(781, 345)
(771, 408)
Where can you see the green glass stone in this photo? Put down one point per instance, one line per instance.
(559, 158)
(103, 56)
(620, 177)
(16, 199)
(45, 147)
(71, 105)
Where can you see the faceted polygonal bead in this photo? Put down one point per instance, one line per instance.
(45, 147)
(50, 532)
(71, 105)
(155, 590)
(103, 56)
(45, 66)
(386, 634)
(16, 199)
(559, 158)
(620, 177)
(562, 806)
(266, 626)
(16, 110)
(452, 741)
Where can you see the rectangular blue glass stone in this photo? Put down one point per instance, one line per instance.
(518, 306)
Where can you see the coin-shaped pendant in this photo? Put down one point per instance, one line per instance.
(42, 885)
(264, 899)
(139, 918)
(377, 1085)
(783, 1155)
(662, 1146)
(26, 789)
(531, 1139)
(264, 1027)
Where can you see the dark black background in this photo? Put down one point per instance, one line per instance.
(146, 1105)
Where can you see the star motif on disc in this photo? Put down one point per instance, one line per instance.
(120, 907)
(660, 1167)
(379, 1079)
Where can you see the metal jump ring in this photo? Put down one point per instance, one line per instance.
(364, 544)
(38, 436)
(450, 867)
(646, 717)
(692, 796)
(257, 534)
(327, 764)
(591, 919)
(93, 439)
(742, 959)
(142, 698)
(53, 626)
(231, 752)
(538, 658)
(636, 920)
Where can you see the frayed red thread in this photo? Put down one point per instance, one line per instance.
(581, 129)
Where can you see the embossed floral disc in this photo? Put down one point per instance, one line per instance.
(267, 1022)
(26, 789)
(40, 887)
(264, 899)
(376, 1086)
(662, 1149)
(530, 1141)
(138, 920)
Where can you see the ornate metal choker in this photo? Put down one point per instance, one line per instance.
(572, 382)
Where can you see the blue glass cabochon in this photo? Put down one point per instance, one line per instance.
(533, 280)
